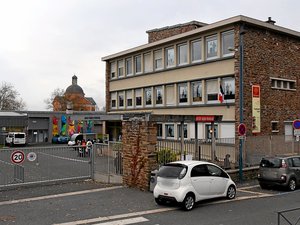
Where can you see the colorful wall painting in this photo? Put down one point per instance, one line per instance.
(71, 127)
(63, 130)
(54, 126)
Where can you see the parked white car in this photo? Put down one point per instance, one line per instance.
(187, 182)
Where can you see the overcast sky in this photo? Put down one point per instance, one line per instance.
(43, 43)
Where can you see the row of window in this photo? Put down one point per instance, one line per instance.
(284, 84)
(187, 93)
(176, 55)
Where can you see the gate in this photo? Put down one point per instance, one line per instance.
(289, 217)
(108, 162)
(44, 165)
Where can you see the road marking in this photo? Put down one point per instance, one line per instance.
(125, 221)
(58, 195)
(120, 216)
(64, 158)
(248, 187)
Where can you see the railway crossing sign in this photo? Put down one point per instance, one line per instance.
(17, 157)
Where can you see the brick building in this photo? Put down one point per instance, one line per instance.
(195, 69)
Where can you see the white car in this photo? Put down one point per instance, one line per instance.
(187, 182)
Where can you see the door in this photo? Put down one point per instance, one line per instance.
(201, 181)
(218, 180)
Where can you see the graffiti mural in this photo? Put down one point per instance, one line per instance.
(71, 127)
(89, 126)
(63, 125)
(79, 126)
(54, 126)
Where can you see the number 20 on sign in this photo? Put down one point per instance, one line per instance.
(17, 157)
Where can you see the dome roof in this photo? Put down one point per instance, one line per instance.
(74, 88)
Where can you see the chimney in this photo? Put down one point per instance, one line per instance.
(270, 21)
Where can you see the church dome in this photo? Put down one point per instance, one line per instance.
(74, 88)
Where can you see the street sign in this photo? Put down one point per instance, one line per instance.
(17, 157)
(242, 129)
(296, 124)
(31, 156)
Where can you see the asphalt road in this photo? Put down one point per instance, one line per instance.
(96, 203)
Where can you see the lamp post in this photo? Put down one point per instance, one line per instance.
(241, 98)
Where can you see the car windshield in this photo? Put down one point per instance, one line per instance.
(271, 163)
(172, 171)
(19, 135)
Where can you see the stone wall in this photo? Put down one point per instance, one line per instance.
(139, 158)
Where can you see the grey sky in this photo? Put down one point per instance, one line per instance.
(43, 43)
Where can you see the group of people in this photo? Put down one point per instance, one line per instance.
(85, 147)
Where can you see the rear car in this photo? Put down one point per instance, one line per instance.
(279, 171)
(187, 182)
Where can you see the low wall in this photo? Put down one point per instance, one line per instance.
(249, 173)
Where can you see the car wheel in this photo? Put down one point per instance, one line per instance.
(292, 184)
(231, 192)
(188, 202)
(159, 201)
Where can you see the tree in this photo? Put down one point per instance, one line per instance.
(9, 98)
(58, 92)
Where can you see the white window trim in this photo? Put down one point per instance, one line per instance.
(212, 37)
(178, 54)
(201, 44)
(222, 41)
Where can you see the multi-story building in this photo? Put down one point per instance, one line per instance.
(195, 69)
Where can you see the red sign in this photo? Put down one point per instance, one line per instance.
(207, 118)
(242, 129)
(17, 157)
(255, 91)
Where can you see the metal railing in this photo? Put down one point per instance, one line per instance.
(291, 217)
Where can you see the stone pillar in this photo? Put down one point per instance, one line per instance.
(139, 158)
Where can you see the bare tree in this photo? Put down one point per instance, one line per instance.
(58, 92)
(9, 98)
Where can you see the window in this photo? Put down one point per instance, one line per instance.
(212, 90)
(185, 131)
(196, 50)
(138, 97)
(113, 70)
(129, 98)
(113, 97)
(274, 125)
(148, 96)
(227, 43)
(170, 99)
(228, 88)
(120, 68)
(158, 60)
(197, 91)
(138, 64)
(158, 95)
(211, 47)
(159, 130)
(199, 171)
(128, 66)
(215, 171)
(169, 130)
(182, 92)
(284, 84)
(170, 57)
(182, 54)
(296, 162)
(147, 63)
(121, 99)
(208, 131)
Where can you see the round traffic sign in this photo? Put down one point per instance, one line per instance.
(242, 129)
(31, 156)
(17, 157)
(296, 124)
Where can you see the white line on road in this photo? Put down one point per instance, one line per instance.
(58, 195)
(125, 221)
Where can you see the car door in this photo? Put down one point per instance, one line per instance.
(219, 180)
(296, 168)
(201, 181)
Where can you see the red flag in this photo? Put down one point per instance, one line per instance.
(221, 94)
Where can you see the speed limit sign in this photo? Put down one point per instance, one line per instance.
(17, 157)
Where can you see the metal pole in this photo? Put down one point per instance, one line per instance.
(241, 98)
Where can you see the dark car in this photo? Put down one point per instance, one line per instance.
(60, 139)
(279, 171)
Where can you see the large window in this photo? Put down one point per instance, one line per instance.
(158, 95)
(113, 70)
(170, 99)
(128, 66)
(129, 102)
(196, 51)
(148, 67)
(185, 131)
(138, 64)
(227, 43)
(120, 68)
(197, 91)
(182, 54)
(212, 90)
(211, 47)
(158, 60)
(121, 99)
(183, 93)
(113, 97)
(170, 57)
(138, 97)
(169, 130)
(209, 131)
(228, 88)
(148, 96)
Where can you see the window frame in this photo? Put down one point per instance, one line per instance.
(179, 54)
(183, 87)
(226, 89)
(138, 64)
(120, 67)
(193, 92)
(193, 60)
(127, 98)
(127, 71)
(214, 40)
(113, 70)
(140, 96)
(167, 131)
(212, 94)
(225, 49)
(157, 88)
(150, 61)
(158, 58)
(148, 91)
(170, 63)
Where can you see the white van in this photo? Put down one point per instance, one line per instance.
(15, 138)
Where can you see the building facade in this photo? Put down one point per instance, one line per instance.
(195, 69)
